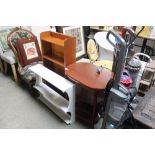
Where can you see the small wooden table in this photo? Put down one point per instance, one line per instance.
(85, 74)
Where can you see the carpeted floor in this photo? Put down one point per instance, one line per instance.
(19, 110)
(145, 111)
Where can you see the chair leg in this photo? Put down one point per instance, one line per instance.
(14, 72)
(1, 66)
(5, 67)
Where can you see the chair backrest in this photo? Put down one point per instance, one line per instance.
(13, 39)
(3, 40)
(92, 50)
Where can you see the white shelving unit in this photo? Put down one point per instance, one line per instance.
(63, 108)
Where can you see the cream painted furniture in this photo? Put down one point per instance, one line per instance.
(63, 108)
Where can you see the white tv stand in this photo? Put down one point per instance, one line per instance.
(62, 107)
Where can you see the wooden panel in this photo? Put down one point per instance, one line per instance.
(53, 66)
(58, 51)
(53, 40)
(58, 48)
(86, 74)
(70, 52)
(46, 48)
(54, 60)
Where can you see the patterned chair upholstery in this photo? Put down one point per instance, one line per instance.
(15, 35)
(6, 54)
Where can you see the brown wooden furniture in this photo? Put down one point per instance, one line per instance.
(89, 85)
(59, 50)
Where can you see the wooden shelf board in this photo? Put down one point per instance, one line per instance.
(142, 91)
(61, 64)
(147, 76)
(150, 69)
(53, 40)
(145, 82)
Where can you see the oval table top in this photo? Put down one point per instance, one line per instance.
(86, 75)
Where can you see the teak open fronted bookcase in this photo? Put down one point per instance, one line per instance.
(58, 50)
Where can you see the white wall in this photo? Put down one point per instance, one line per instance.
(3, 28)
(38, 29)
(35, 29)
(6, 27)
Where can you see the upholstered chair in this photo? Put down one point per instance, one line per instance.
(6, 54)
(26, 49)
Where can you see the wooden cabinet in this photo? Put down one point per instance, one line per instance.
(59, 50)
(90, 88)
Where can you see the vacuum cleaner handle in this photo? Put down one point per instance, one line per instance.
(120, 47)
(131, 33)
(118, 39)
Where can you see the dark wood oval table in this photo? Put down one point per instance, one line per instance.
(85, 75)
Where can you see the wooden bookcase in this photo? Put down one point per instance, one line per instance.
(58, 50)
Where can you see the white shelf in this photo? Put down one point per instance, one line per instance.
(50, 95)
(55, 102)
(64, 108)
(53, 78)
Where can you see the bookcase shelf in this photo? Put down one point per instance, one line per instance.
(54, 40)
(56, 61)
(59, 50)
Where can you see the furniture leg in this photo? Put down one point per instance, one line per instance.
(152, 80)
(94, 108)
(14, 72)
(143, 45)
(71, 109)
(5, 67)
(1, 66)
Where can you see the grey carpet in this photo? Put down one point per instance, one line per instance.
(19, 110)
(145, 111)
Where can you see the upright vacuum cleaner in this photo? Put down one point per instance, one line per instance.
(118, 96)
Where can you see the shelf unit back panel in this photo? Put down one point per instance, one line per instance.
(54, 38)
(53, 66)
(53, 51)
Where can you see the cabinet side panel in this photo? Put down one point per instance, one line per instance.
(70, 51)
